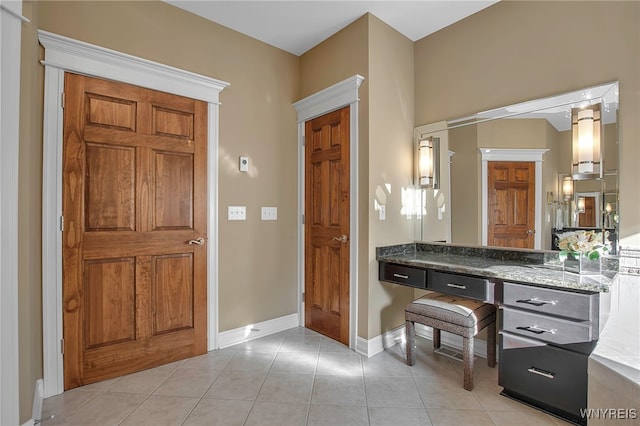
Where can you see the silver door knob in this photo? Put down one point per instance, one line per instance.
(531, 231)
(197, 241)
(342, 238)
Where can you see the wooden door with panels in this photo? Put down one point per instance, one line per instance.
(327, 224)
(511, 199)
(135, 229)
(587, 218)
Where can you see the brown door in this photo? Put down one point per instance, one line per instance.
(587, 219)
(511, 204)
(327, 225)
(134, 196)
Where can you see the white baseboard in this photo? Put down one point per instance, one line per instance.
(254, 331)
(379, 343)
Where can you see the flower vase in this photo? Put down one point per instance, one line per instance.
(583, 265)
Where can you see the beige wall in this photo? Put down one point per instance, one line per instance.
(390, 164)
(257, 273)
(536, 49)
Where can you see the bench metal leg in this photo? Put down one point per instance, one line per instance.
(436, 338)
(410, 329)
(467, 361)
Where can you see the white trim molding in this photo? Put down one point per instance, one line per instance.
(330, 99)
(255, 331)
(535, 155)
(11, 21)
(62, 55)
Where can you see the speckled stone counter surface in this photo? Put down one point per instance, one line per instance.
(526, 266)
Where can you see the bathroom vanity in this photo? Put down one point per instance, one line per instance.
(549, 320)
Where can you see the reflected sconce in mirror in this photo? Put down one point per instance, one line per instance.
(587, 149)
(428, 164)
(580, 205)
(567, 188)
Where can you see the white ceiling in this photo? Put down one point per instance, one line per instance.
(298, 25)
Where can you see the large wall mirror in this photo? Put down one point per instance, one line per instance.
(520, 175)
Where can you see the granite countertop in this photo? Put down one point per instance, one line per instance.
(526, 266)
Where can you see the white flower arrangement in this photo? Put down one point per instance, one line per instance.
(589, 243)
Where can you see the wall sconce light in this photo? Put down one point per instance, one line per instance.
(428, 164)
(580, 205)
(587, 161)
(608, 208)
(567, 188)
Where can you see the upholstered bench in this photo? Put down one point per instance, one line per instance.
(457, 315)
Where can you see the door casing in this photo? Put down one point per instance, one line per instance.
(330, 99)
(63, 54)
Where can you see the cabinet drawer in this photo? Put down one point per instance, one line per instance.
(400, 274)
(579, 306)
(554, 378)
(546, 328)
(461, 285)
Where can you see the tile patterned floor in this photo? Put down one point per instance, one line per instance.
(296, 377)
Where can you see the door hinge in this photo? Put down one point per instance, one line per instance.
(303, 299)
(62, 346)
(61, 223)
(304, 141)
(62, 100)
(303, 218)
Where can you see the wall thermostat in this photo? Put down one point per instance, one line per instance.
(244, 164)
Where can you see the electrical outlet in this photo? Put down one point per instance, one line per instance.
(237, 213)
(269, 213)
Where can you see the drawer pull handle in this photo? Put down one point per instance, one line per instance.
(541, 373)
(537, 302)
(463, 287)
(537, 330)
(404, 277)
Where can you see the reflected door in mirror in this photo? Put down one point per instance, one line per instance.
(511, 204)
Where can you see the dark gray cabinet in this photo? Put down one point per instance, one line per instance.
(546, 336)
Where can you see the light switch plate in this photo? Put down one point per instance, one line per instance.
(269, 213)
(237, 213)
(382, 212)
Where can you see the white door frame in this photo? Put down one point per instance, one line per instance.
(63, 54)
(491, 154)
(11, 20)
(330, 99)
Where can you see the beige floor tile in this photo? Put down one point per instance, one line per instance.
(286, 387)
(305, 343)
(251, 361)
(187, 382)
(268, 344)
(487, 392)
(433, 366)
(386, 363)
(161, 410)
(343, 415)
(339, 390)
(65, 404)
(533, 418)
(392, 392)
(386, 416)
(106, 408)
(232, 384)
(459, 417)
(143, 382)
(266, 413)
(480, 369)
(329, 345)
(442, 394)
(214, 360)
(296, 362)
(219, 412)
(339, 364)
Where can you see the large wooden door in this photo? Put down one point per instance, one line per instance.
(134, 238)
(327, 225)
(587, 219)
(511, 204)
